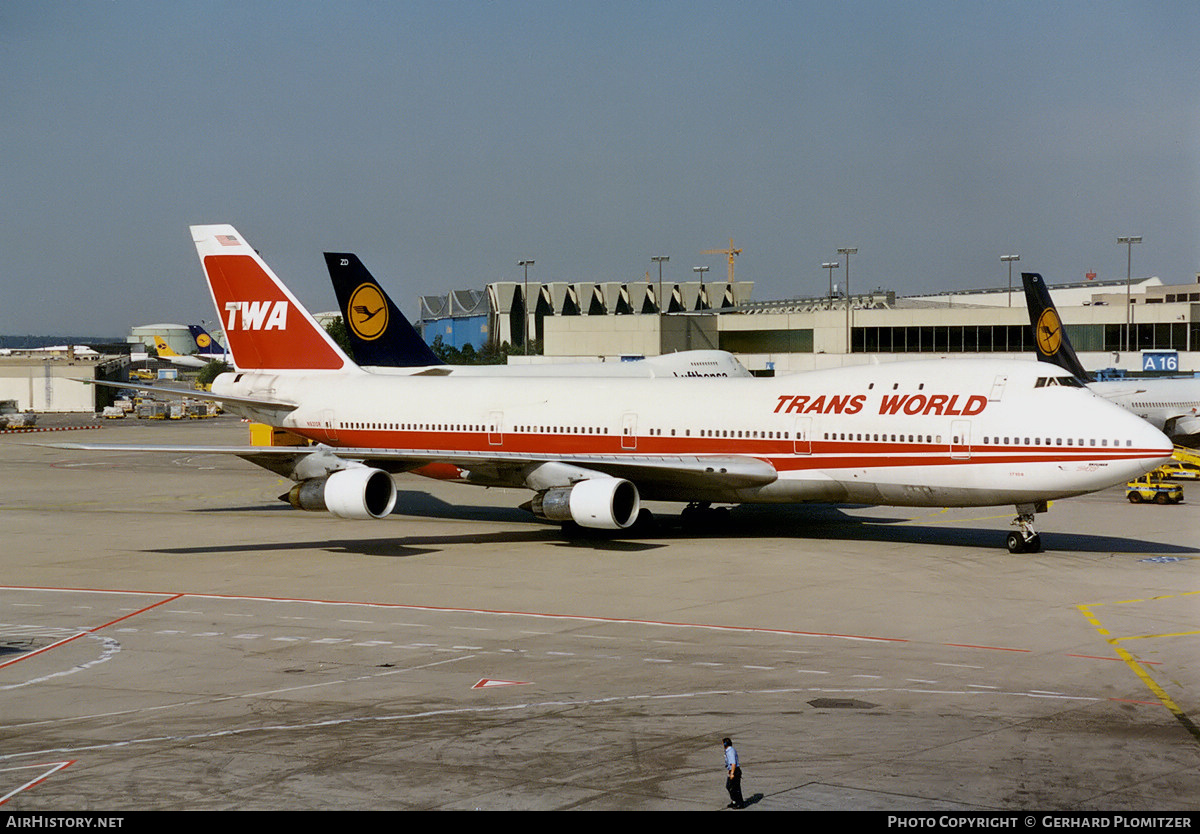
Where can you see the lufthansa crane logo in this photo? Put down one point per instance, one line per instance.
(1048, 332)
(368, 312)
(203, 341)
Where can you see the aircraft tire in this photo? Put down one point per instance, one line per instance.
(1016, 543)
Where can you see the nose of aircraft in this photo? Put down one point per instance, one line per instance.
(1155, 447)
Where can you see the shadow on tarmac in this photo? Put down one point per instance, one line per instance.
(798, 521)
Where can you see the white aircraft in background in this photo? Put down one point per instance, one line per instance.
(165, 351)
(79, 350)
(383, 341)
(207, 347)
(926, 434)
(1170, 404)
(210, 351)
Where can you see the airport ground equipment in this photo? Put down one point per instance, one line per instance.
(1149, 488)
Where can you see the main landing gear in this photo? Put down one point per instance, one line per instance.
(703, 515)
(1026, 540)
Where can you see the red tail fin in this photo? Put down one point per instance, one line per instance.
(267, 328)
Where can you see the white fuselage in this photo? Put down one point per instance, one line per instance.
(929, 433)
(1169, 404)
(691, 364)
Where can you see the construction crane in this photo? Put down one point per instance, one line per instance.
(730, 253)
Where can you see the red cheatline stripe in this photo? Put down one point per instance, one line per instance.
(780, 452)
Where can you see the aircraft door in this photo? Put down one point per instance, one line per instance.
(629, 431)
(960, 439)
(496, 428)
(802, 444)
(998, 388)
(329, 425)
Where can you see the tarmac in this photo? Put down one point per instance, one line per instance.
(174, 637)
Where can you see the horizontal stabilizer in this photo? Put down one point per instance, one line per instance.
(191, 393)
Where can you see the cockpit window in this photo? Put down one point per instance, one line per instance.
(1066, 381)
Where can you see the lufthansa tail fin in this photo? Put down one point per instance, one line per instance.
(1049, 335)
(204, 342)
(164, 350)
(380, 335)
(267, 328)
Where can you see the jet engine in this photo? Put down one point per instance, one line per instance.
(599, 503)
(348, 493)
(1183, 426)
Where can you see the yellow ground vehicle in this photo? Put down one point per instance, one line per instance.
(1179, 471)
(1151, 488)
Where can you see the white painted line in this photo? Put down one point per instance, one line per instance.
(54, 767)
(487, 683)
(458, 711)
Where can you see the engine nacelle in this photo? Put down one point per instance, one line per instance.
(1187, 424)
(599, 503)
(349, 493)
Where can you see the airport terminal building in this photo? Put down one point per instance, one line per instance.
(1158, 329)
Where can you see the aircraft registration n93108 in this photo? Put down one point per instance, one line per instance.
(932, 433)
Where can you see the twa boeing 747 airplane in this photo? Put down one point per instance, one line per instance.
(926, 434)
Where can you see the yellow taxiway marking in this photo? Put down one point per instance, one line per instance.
(1136, 665)
(928, 518)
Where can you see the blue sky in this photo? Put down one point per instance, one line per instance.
(445, 141)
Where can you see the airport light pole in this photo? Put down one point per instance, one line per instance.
(525, 264)
(660, 260)
(847, 251)
(1128, 240)
(830, 266)
(1009, 260)
(701, 270)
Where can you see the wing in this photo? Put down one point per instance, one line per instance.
(651, 473)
